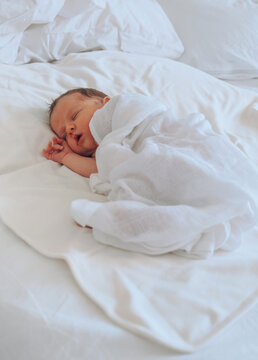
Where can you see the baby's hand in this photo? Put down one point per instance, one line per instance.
(56, 150)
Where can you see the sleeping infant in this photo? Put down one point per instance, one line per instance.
(70, 116)
(173, 185)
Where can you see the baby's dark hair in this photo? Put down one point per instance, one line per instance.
(88, 92)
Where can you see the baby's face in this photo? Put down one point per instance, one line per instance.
(70, 121)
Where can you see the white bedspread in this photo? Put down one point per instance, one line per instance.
(174, 301)
(173, 184)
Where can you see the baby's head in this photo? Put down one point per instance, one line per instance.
(70, 115)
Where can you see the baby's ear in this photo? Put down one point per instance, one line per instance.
(105, 100)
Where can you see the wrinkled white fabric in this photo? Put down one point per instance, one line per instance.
(224, 44)
(160, 298)
(173, 184)
(101, 123)
(46, 30)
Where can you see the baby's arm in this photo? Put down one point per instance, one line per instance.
(59, 151)
(82, 165)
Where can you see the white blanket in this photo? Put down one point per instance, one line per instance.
(173, 184)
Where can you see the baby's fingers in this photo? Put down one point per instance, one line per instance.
(50, 147)
(45, 153)
(49, 150)
(57, 141)
(58, 147)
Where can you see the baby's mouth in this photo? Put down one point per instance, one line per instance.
(78, 138)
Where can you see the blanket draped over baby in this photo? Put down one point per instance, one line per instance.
(172, 184)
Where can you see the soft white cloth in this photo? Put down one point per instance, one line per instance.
(224, 44)
(101, 123)
(173, 184)
(172, 301)
(46, 30)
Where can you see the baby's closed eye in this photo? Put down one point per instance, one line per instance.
(75, 115)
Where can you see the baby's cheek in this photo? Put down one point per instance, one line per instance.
(72, 144)
(78, 150)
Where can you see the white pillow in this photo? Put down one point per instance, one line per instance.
(50, 30)
(219, 36)
(16, 17)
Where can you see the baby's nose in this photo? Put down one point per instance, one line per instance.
(70, 128)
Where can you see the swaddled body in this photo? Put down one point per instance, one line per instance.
(172, 184)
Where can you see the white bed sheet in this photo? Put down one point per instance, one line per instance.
(248, 84)
(42, 311)
(45, 316)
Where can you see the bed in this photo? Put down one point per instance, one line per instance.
(63, 294)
